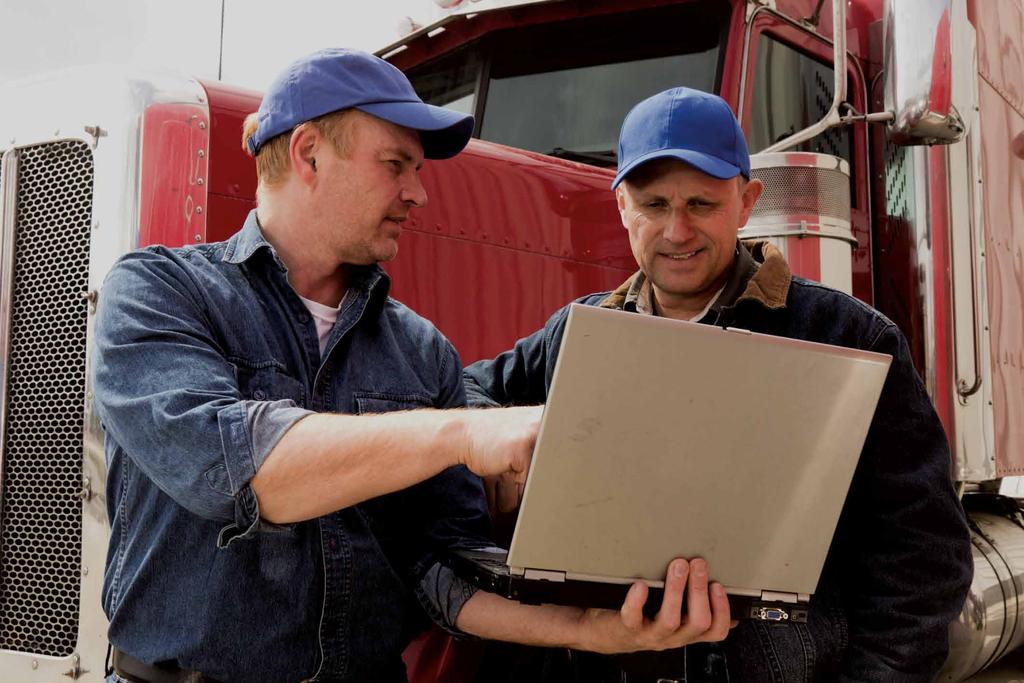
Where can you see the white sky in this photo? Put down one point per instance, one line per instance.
(260, 36)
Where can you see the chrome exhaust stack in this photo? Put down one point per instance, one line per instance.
(804, 211)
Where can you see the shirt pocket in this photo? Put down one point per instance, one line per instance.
(367, 402)
(268, 381)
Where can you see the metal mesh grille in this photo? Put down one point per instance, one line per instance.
(792, 190)
(899, 193)
(40, 536)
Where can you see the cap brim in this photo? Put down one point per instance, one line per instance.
(705, 163)
(443, 132)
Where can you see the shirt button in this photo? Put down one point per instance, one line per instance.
(259, 394)
(303, 318)
(332, 544)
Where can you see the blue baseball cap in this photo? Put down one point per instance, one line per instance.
(696, 127)
(337, 78)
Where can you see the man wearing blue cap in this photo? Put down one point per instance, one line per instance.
(277, 503)
(900, 562)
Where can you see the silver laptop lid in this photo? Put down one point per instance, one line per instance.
(666, 439)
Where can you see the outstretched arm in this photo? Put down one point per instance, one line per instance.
(706, 617)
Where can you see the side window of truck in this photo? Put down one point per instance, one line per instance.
(531, 87)
(451, 81)
(793, 91)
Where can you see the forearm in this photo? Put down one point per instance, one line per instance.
(704, 618)
(490, 616)
(327, 462)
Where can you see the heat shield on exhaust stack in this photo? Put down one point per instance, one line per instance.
(805, 212)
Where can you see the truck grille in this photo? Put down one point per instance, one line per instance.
(41, 513)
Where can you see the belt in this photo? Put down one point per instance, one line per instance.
(135, 671)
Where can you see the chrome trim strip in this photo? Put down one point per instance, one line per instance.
(8, 205)
(963, 389)
(800, 229)
(805, 160)
(832, 117)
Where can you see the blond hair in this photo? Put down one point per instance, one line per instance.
(272, 157)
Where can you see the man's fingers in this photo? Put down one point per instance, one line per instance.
(632, 611)
(508, 492)
(491, 491)
(671, 613)
(501, 440)
(721, 619)
(698, 609)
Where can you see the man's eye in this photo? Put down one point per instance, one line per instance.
(656, 204)
(396, 165)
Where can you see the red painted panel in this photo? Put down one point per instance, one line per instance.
(1003, 175)
(942, 326)
(732, 64)
(507, 238)
(804, 257)
(172, 202)
(227, 214)
(1000, 27)
(232, 175)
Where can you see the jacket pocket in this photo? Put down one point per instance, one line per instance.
(367, 402)
(268, 382)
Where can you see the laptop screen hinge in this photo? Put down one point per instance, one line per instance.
(544, 575)
(773, 596)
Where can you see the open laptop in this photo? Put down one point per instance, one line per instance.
(664, 439)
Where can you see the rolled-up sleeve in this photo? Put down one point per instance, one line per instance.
(168, 396)
(249, 431)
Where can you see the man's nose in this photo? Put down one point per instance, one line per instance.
(413, 191)
(678, 229)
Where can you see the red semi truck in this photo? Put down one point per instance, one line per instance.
(892, 152)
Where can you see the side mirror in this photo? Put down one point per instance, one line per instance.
(923, 83)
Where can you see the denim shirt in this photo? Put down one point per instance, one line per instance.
(900, 562)
(205, 356)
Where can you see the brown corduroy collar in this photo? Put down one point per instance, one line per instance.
(767, 282)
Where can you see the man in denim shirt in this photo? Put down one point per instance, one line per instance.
(900, 562)
(265, 526)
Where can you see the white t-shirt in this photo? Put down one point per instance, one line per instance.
(324, 317)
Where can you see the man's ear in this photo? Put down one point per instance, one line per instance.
(302, 150)
(751, 192)
(620, 200)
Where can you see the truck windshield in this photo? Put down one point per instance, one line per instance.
(563, 88)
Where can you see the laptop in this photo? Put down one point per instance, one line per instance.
(664, 439)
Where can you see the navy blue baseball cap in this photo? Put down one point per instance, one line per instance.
(693, 126)
(337, 78)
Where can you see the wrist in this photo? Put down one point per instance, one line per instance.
(453, 438)
(581, 631)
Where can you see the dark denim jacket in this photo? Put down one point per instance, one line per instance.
(204, 357)
(900, 563)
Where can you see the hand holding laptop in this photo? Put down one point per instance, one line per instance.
(706, 617)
